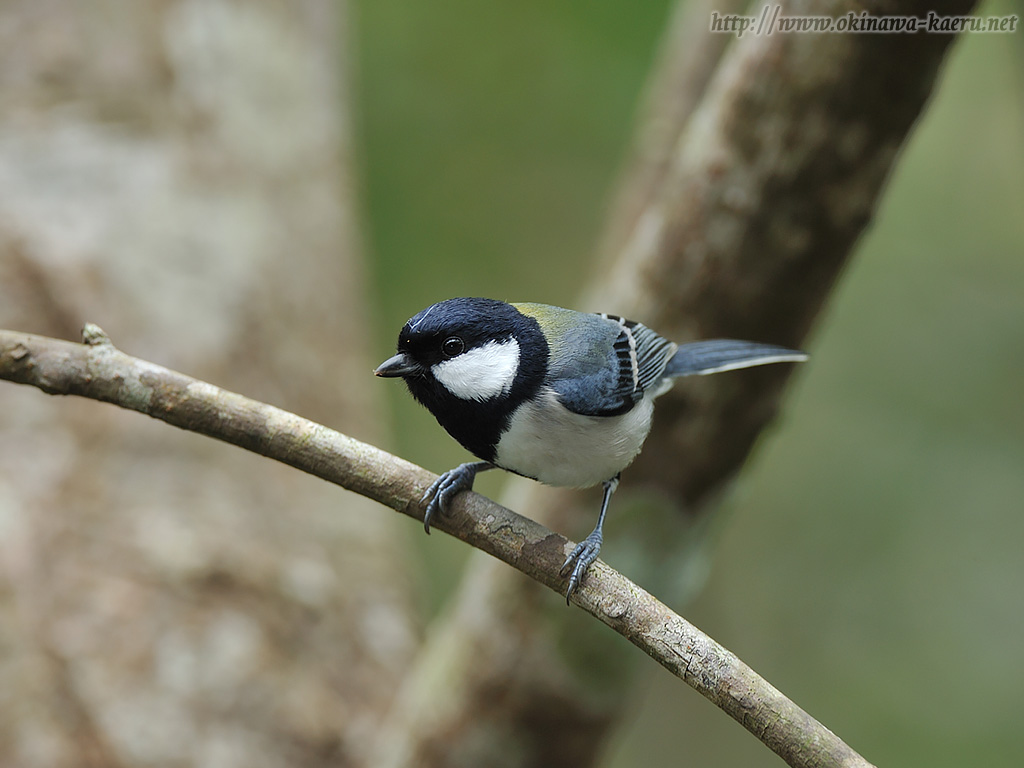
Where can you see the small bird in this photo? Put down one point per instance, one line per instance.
(556, 395)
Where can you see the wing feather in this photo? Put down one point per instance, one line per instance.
(634, 359)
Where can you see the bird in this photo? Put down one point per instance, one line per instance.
(557, 395)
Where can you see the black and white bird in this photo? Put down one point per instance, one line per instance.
(560, 396)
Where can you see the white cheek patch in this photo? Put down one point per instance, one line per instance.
(480, 373)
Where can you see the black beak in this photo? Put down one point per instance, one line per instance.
(399, 365)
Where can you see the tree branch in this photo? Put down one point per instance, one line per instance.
(99, 371)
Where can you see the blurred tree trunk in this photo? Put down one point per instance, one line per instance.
(735, 222)
(177, 171)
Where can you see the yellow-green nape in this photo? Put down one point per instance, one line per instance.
(557, 325)
(545, 314)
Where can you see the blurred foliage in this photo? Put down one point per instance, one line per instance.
(869, 562)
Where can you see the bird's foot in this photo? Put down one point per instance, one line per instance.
(579, 560)
(449, 485)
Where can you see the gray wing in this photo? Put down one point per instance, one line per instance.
(605, 368)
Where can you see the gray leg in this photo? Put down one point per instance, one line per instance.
(587, 550)
(448, 486)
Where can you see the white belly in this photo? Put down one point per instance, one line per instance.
(547, 442)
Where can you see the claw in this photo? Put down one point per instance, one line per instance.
(449, 485)
(586, 551)
(580, 559)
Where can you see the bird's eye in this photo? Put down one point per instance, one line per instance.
(452, 346)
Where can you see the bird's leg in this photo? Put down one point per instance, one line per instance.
(587, 550)
(448, 486)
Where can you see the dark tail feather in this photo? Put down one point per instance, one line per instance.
(704, 357)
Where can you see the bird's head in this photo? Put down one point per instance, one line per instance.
(468, 350)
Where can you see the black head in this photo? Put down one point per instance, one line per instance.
(471, 362)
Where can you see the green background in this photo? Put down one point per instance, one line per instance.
(869, 563)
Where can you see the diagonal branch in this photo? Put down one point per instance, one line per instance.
(97, 370)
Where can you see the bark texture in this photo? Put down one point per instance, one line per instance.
(178, 172)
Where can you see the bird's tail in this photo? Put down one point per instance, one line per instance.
(704, 357)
